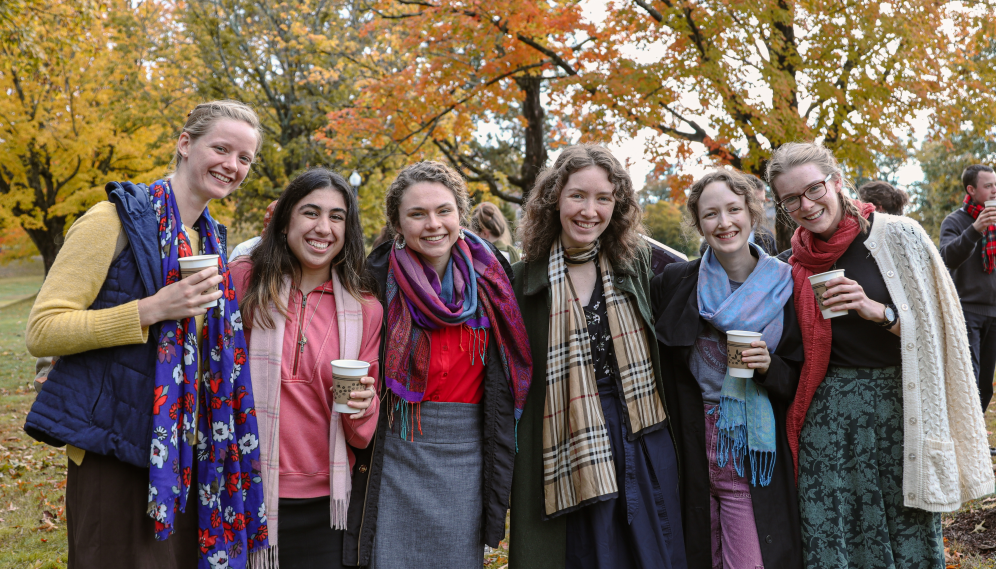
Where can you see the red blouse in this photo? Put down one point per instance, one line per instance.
(455, 376)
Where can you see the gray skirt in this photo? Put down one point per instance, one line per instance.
(430, 505)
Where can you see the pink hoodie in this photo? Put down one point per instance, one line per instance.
(306, 382)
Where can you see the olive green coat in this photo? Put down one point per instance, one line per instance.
(534, 543)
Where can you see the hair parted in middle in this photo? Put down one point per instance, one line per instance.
(428, 171)
(541, 220)
(272, 259)
(792, 154)
(738, 183)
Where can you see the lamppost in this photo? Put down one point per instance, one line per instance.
(355, 180)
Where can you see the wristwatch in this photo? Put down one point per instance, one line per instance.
(891, 316)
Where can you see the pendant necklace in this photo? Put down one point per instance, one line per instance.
(304, 329)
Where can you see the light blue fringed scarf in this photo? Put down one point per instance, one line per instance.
(746, 420)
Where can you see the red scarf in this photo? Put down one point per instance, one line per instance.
(810, 256)
(988, 237)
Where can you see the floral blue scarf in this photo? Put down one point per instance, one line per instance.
(746, 420)
(215, 413)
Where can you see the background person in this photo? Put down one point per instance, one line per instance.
(433, 489)
(304, 304)
(884, 196)
(762, 233)
(488, 222)
(739, 506)
(893, 373)
(596, 477)
(246, 247)
(968, 247)
(132, 339)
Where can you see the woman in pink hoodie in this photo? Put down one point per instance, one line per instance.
(305, 302)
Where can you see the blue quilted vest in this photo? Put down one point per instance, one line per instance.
(101, 400)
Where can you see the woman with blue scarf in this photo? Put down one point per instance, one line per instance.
(739, 505)
(151, 394)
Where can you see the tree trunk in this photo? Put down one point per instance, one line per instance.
(532, 110)
(49, 240)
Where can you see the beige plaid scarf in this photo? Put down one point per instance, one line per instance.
(577, 454)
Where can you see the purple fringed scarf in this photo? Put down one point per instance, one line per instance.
(474, 291)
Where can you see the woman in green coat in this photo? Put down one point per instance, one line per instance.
(595, 483)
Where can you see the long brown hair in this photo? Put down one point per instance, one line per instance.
(272, 259)
(541, 220)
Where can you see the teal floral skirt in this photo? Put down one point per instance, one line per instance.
(851, 478)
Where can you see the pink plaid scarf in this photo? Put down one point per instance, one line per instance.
(265, 347)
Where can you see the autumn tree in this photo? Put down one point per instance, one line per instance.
(465, 81)
(730, 81)
(83, 106)
(294, 62)
(943, 160)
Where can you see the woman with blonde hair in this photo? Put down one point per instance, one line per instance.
(886, 428)
(150, 392)
(489, 222)
(739, 504)
(596, 477)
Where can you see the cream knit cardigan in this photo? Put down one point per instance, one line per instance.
(946, 458)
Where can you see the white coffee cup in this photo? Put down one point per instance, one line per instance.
(736, 342)
(991, 203)
(819, 285)
(195, 264)
(346, 375)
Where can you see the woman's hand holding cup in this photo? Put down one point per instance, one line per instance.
(844, 294)
(361, 399)
(182, 299)
(757, 356)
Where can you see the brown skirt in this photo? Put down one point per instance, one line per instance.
(106, 503)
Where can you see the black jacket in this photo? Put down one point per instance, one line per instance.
(961, 248)
(776, 512)
(499, 444)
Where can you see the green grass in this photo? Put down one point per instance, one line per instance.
(14, 289)
(32, 475)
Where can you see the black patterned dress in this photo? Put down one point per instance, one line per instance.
(640, 528)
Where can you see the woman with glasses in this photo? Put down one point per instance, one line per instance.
(886, 428)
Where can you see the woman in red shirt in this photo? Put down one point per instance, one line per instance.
(304, 304)
(456, 370)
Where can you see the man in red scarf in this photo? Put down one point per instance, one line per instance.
(968, 247)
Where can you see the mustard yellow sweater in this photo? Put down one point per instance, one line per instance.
(61, 322)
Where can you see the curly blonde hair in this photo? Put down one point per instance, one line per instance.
(540, 224)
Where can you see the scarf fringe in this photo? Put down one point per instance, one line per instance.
(762, 467)
(732, 433)
(263, 558)
(410, 415)
(338, 510)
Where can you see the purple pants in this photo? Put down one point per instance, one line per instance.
(734, 534)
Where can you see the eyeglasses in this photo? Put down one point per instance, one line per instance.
(813, 193)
